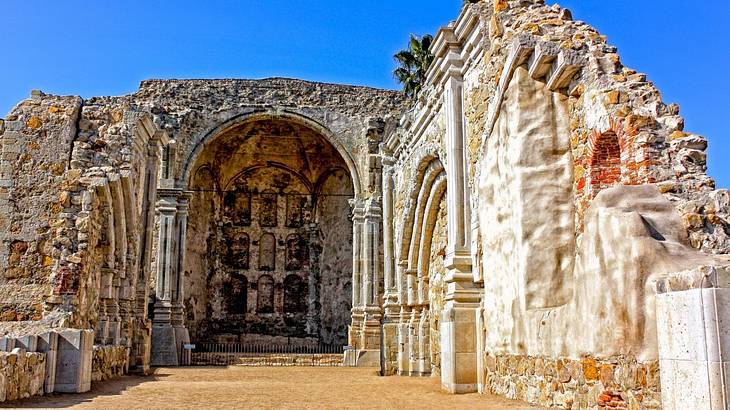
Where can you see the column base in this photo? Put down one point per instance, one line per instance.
(390, 348)
(459, 388)
(166, 345)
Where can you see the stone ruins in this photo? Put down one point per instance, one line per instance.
(537, 224)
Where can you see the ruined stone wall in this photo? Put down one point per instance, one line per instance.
(21, 375)
(335, 260)
(75, 186)
(79, 181)
(615, 382)
(36, 141)
(557, 131)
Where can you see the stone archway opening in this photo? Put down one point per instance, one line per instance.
(268, 253)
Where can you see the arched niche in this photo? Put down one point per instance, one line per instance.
(236, 295)
(237, 256)
(295, 294)
(605, 161)
(265, 294)
(283, 184)
(296, 253)
(267, 252)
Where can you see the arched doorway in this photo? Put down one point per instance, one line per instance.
(268, 209)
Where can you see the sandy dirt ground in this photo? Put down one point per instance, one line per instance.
(268, 388)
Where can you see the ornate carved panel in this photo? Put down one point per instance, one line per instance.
(237, 208)
(268, 209)
(296, 252)
(296, 208)
(237, 254)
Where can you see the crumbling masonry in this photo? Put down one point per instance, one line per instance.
(537, 224)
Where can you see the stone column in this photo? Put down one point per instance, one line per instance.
(458, 323)
(314, 302)
(424, 343)
(164, 342)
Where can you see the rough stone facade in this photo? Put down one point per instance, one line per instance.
(536, 224)
(586, 383)
(109, 362)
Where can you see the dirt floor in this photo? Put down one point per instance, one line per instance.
(268, 388)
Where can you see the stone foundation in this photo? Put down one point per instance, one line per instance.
(618, 382)
(21, 374)
(109, 362)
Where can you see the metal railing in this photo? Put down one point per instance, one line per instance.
(243, 354)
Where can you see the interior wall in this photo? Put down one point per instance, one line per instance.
(336, 259)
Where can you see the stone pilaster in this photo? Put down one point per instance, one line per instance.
(424, 343)
(458, 323)
(178, 296)
(391, 309)
(404, 350)
(168, 329)
(358, 307)
(372, 276)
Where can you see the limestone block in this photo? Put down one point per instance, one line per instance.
(75, 354)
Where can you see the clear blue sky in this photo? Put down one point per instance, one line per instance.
(107, 47)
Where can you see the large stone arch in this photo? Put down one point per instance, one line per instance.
(265, 155)
(268, 114)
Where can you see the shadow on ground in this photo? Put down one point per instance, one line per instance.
(98, 389)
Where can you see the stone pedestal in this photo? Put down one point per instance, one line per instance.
(165, 345)
(459, 327)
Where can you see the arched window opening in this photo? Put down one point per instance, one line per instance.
(295, 294)
(296, 252)
(267, 252)
(265, 294)
(605, 162)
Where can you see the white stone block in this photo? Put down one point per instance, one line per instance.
(680, 326)
(693, 332)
